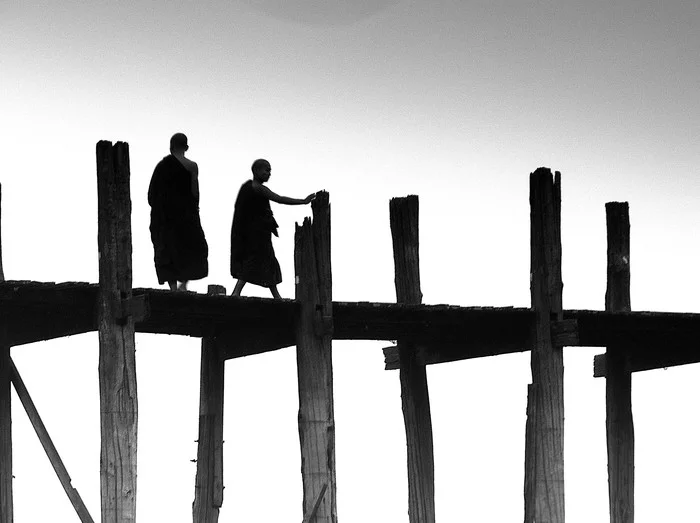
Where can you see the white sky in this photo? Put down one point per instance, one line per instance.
(456, 101)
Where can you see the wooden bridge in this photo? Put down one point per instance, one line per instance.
(423, 335)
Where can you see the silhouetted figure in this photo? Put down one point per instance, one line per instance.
(180, 249)
(252, 256)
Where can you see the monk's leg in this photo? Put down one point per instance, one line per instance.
(173, 285)
(275, 294)
(238, 288)
(182, 286)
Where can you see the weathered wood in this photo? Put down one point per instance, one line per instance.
(311, 515)
(403, 215)
(656, 356)
(117, 362)
(529, 487)
(209, 482)
(314, 361)
(39, 311)
(50, 449)
(546, 465)
(6, 500)
(618, 383)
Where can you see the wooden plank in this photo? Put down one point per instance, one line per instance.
(661, 356)
(415, 401)
(618, 384)
(41, 311)
(314, 361)
(546, 464)
(209, 481)
(117, 362)
(6, 499)
(50, 449)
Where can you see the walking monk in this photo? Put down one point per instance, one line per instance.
(252, 256)
(180, 249)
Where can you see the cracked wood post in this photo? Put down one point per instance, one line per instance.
(415, 402)
(618, 380)
(117, 362)
(544, 458)
(312, 262)
(6, 502)
(209, 482)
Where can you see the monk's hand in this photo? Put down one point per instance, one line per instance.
(310, 198)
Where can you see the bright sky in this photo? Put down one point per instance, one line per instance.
(456, 101)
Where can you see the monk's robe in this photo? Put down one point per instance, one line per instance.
(180, 249)
(252, 256)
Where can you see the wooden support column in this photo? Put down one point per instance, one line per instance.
(117, 361)
(312, 261)
(209, 482)
(6, 501)
(403, 215)
(618, 383)
(544, 458)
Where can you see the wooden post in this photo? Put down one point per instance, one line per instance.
(618, 383)
(50, 449)
(530, 457)
(312, 261)
(403, 215)
(545, 464)
(209, 482)
(6, 501)
(117, 361)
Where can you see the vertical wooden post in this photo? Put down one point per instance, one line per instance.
(312, 261)
(117, 360)
(209, 482)
(529, 490)
(545, 463)
(6, 501)
(618, 380)
(403, 216)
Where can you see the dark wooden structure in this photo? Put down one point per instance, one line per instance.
(426, 334)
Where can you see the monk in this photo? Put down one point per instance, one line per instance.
(180, 249)
(252, 256)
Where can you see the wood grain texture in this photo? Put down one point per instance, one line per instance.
(209, 480)
(415, 402)
(314, 362)
(618, 384)
(545, 465)
(117, 363)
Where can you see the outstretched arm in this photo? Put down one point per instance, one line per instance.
(286, 200)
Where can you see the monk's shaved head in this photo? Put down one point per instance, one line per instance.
(178, 142)
(258, 164)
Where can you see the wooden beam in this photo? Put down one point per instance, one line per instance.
(6, 500)
(403, 215)
(545, 465)
(618, 384)
(312, 250)
(50, 449)
(117, 361)
(209, 482)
